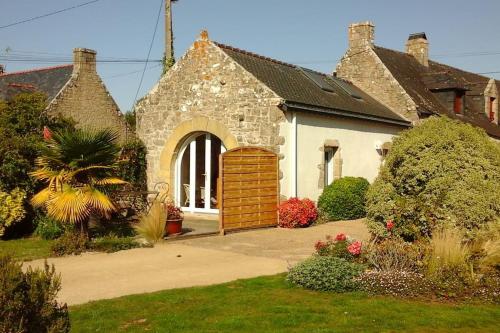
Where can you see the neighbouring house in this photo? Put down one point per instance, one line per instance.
(218, 97)
(74, 91)
(416, 87)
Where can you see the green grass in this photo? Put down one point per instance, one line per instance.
(26, 248)
(269, 304)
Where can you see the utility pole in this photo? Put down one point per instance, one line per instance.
(168, 59)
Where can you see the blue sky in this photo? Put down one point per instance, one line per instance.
(310, 33)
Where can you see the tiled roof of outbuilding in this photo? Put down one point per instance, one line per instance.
(295, 87)
(418, 81)
(48, 80)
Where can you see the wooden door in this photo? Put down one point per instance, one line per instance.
(248, 189)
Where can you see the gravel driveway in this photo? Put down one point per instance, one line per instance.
(190, 262)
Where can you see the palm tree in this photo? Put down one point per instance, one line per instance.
(76, 167)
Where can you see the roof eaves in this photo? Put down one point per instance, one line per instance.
(339, 112)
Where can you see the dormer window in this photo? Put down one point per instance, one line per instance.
(491, 109)
(458, 104)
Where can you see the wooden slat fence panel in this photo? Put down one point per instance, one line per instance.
(248, 189)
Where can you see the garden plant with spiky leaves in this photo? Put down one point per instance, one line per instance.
(77, 167)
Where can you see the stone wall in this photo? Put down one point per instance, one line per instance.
(208, 86)
(86, 100)
(363, 67)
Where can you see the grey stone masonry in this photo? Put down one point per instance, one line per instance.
(207, 83)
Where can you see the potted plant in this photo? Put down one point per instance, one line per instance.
(175, 216)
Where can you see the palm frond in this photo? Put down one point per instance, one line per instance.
(69, 205)
(41, 198)
(98, 201)
(110, 181)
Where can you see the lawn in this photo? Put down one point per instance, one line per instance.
(26, 248)
(269, 304)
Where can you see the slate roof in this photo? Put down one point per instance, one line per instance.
(300, 92)
(48, 80)
(418, 81)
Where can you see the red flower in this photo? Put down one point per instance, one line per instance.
(47, 134)
(355, 248)
(340, 237)
(320, 245)
(389, 225)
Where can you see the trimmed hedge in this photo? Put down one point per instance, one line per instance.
(344, 199)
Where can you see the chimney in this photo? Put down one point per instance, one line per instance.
(361, 34)
(83, 60)
(418, 46)
(2, 69)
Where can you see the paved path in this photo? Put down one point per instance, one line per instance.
(192, 262)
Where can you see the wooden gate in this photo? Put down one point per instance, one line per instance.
(248, 188)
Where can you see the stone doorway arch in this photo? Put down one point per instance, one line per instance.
(174, 142)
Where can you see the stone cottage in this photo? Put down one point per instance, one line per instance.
(416, 87)
(218, 97)
(74, 91)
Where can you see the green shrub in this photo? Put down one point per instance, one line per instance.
(48, 228)
(344, 199)
(28, 299)
(440, 171)
(325, 273)
(132, 164)
(70, 243)
(11, 208)
(113, 243)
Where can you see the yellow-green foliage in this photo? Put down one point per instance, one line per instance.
(440, 171)
(11, 208)
(152, 225)
(448, 254)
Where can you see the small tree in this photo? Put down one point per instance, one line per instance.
(76, 167)
(442, 171)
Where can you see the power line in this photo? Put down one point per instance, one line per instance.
(48, 14)
(130, 73)
(149, 53)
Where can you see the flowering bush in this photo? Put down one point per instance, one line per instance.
(339, 246)
(395, 254)
(173, 212)
(296, 213)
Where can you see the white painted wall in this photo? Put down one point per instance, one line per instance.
(356, 138)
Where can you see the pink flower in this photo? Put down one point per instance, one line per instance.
(355, 248)
(389, 225)
(340, 237)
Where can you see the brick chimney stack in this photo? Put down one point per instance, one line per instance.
(361, 34)
(84, 60)
(418, 46)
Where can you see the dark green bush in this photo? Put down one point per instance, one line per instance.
(113, 244)
(48, 228)
(132, 164)
(70, 243)
(344, 199)
(28, 299)
(325, 273)
(442, 171)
